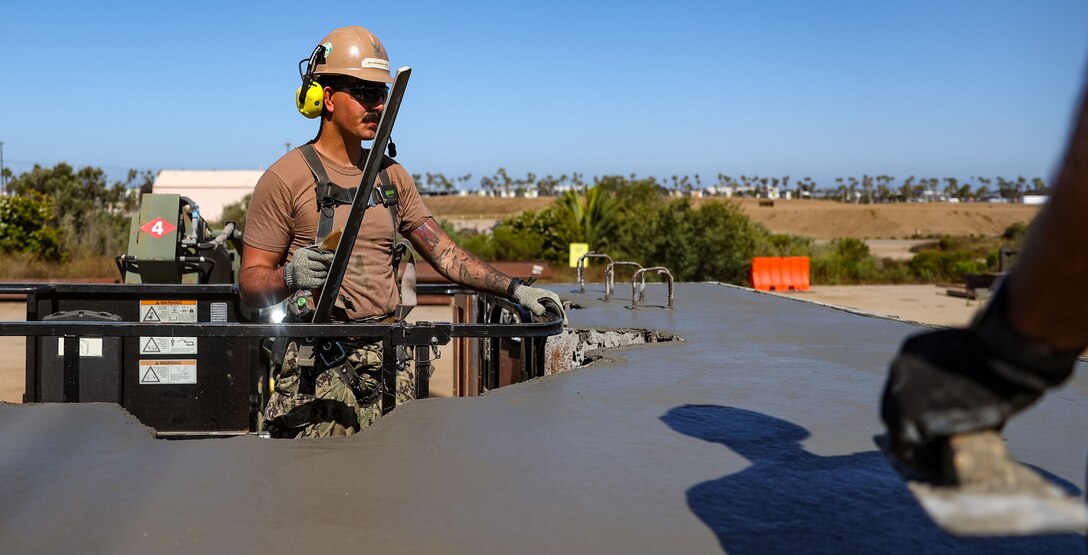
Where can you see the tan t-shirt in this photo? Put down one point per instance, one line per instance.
(283, 217)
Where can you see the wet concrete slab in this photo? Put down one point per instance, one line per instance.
(754, 435)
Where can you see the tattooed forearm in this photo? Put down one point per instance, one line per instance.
(429, 233)
(496, 280)
(455, 263)
(445, 258)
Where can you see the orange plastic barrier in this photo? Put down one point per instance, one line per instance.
(780, 273)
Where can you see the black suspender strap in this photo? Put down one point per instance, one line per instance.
(379, 193)
(328, 198)
(406, 284)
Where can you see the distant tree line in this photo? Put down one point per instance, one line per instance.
(866, 189)
(880, 188)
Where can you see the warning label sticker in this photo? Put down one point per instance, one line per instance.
(88, 347)
(167, 372)
(175, 312)
(168, 346)
(219, 312)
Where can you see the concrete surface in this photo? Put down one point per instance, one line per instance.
(754, 435)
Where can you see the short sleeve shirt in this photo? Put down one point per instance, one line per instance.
(283, 217)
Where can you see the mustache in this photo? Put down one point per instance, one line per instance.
(372, 118)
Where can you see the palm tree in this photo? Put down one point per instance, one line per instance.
(595, 213)
(1038, 186)
(952, 187)
(487, 184)
(462, 181)
(867, 184)
(964, 192)
(1005, 188)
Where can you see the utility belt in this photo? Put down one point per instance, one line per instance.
(318, 354)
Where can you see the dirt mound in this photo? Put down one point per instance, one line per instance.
(476, 207)
(828, 219)
(820, 219)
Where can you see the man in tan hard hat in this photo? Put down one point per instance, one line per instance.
(345, 85)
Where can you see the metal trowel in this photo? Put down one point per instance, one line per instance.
(331, 240)
(982, 491)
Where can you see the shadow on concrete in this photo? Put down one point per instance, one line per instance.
(792, 501)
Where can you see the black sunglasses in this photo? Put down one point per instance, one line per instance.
(367, 94)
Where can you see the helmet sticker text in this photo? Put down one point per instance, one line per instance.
(376, 63)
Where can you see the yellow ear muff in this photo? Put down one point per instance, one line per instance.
(310, 97)
(310, 102)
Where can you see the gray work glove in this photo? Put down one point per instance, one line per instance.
(534, 299)
(308, 268)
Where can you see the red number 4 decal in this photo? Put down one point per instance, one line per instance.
(158, 227)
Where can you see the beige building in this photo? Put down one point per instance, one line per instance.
(210, 189)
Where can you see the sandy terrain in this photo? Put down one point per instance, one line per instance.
(927, 304)
(917, 303)
(476, 207)
(818, 219)
(12, 355)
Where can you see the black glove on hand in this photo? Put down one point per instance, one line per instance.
(950, 382)
(308, 268)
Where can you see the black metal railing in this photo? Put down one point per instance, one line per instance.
(497, 318)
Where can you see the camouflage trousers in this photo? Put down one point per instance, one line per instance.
(332, 409)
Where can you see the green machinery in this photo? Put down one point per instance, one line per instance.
(169, 242)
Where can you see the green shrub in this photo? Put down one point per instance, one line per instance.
(783, 244)
(530, 235)
(1015, 233)
(23, 226)
(945, 265)
(713, 242)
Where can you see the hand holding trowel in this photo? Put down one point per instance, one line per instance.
(950, 392)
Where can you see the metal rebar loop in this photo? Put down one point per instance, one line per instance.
(581, 268)
(610, 277)
(641, 273)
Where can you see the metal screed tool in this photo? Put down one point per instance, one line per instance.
(329, 293)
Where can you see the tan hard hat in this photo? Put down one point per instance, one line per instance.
(355, 52)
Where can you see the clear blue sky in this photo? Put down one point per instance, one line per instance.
(825, 89)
